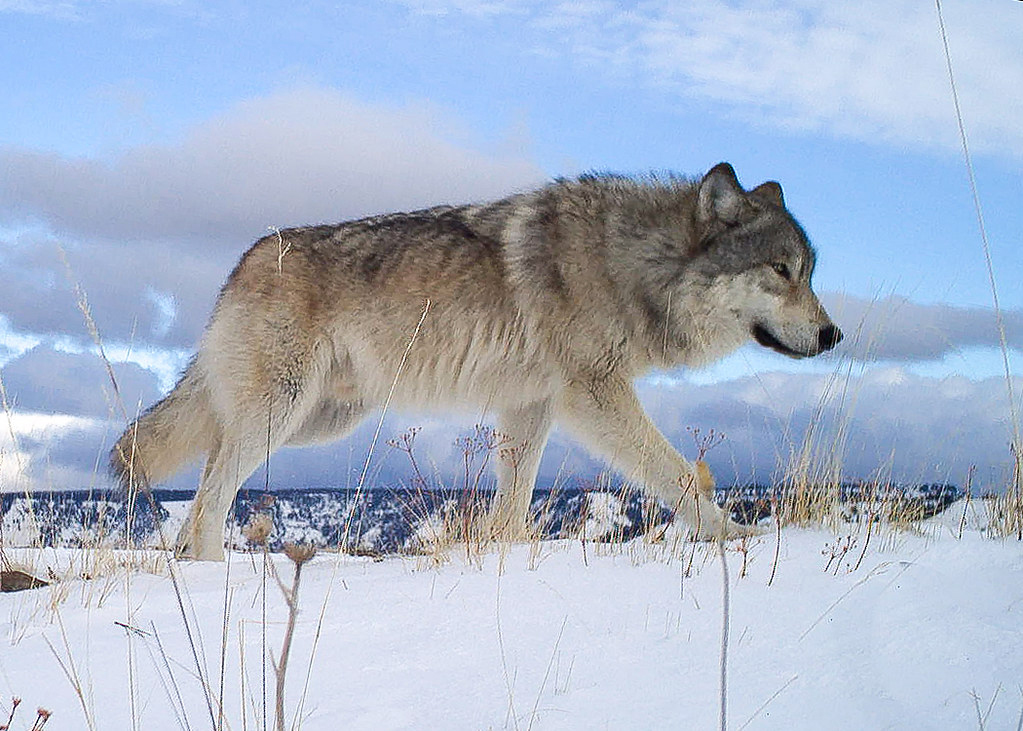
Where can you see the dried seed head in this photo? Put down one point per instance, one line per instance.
(299, 553)
(258, 528)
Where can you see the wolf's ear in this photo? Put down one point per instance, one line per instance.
(721, 196)
(769, 191)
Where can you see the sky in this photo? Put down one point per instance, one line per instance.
(144, 144)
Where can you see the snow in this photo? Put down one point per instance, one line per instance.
(925, 633)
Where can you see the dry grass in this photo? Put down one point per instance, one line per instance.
(1007, 509)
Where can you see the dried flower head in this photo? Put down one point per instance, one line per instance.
(42, 716)
(14, 708)
(299, 553)
(257, 528)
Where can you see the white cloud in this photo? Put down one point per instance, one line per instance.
(872, 70)
(25, 441)
(12, 343)
(474, 8)
(58, 10)
(895, 328)
(117, 279)
(304, 156)
(45, 380)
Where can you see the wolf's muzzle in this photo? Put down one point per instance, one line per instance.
(828, 337)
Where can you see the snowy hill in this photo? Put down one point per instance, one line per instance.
(826, 630)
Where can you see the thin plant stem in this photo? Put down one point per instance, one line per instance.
(725, 609)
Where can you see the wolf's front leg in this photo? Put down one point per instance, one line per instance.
(608, 418)
(526, 429)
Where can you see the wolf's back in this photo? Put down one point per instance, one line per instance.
(169, 435)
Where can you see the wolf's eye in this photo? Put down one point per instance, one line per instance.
(782, 270)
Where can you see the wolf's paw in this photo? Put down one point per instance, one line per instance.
(713, 523)
(744, 530)
(188, 550)
(187, 553)
(722, 528)
(506, 523)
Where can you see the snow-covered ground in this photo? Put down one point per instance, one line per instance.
(926, 633)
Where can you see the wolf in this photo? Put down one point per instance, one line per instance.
(541, 307)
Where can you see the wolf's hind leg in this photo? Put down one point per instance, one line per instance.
(527, 428)
(202, 535)
(247, 437)
(610, 420)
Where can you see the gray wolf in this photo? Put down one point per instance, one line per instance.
(540, 307)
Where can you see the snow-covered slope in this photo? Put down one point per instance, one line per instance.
(904, 631)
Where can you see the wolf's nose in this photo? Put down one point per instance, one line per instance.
(829, 337)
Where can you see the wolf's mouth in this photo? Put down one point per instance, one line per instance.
(765, 338)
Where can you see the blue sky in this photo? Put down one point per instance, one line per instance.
(144, 145)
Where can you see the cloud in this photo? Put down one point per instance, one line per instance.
(886, 422)
(150, 234)
(474, 8)
(31, 457)
(897, 329)
(135, 292)
(310, 155)
(58, 10)
(872, 70)
(45, 380)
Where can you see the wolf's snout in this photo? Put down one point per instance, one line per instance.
(828, 337)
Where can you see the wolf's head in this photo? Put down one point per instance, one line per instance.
(756, 260)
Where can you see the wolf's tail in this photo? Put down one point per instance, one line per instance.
(166, 437)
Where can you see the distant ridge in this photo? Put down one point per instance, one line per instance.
(384, 519)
